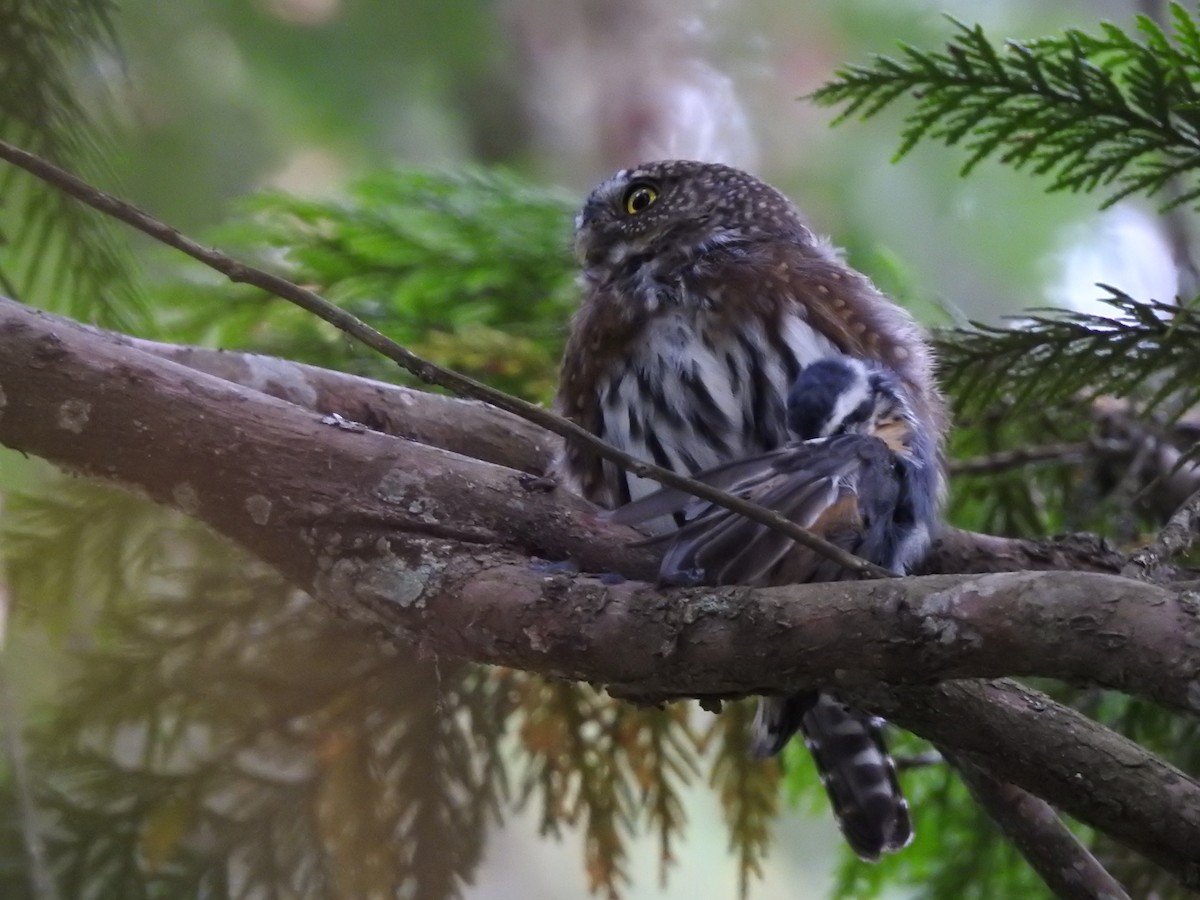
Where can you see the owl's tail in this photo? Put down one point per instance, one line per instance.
(852, 761)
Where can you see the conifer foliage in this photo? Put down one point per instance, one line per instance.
(1107, 111)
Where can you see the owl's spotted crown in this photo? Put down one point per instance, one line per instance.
(681, 199)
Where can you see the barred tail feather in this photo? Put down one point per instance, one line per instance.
(776, 720)
(853, 763)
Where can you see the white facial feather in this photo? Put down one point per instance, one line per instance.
(856, 393)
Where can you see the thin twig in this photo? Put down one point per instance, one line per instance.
(1067, 453)
(1176, 537)
(1128, 490)
(904, 763)
(1163, 469)
(1068, 868)
(426, 371)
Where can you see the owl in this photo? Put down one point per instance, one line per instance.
(705, 295)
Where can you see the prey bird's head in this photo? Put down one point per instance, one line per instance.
(845, 395)
(675, 205)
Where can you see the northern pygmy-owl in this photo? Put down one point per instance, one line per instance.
(705, 294)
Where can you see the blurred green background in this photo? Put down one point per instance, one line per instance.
(215, 100)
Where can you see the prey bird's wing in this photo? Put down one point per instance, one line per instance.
(843, 489)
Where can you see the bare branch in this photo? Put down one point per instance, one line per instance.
(1068, 868)
(470, 427)
(1023, 737)
(484, 432)
(1176, 537)
(1077, 452)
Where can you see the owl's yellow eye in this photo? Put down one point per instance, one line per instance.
(639, 196)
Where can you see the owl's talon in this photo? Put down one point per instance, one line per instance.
(542, 484)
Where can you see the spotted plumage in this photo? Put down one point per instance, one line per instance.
(705, 299)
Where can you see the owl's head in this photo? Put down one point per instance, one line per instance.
(678, 206)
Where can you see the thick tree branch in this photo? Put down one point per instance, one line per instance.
(1023, 737)
(470, 427)
(484, 432)
(1068, 868)
(961, 551)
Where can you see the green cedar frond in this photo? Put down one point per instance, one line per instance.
(1053, 358)
(1088, 111)
(16, 880)
(660, 746)
(1035, 381)
(55, 251)
(228, 724)
(471, 269)
(72, 548)
(606, 767)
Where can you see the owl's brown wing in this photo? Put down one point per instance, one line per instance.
(599, 341)
(840, 304)
(842, 489)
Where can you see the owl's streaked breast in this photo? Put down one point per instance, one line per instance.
(693, 391)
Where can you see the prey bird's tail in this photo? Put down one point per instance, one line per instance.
(853, 763)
